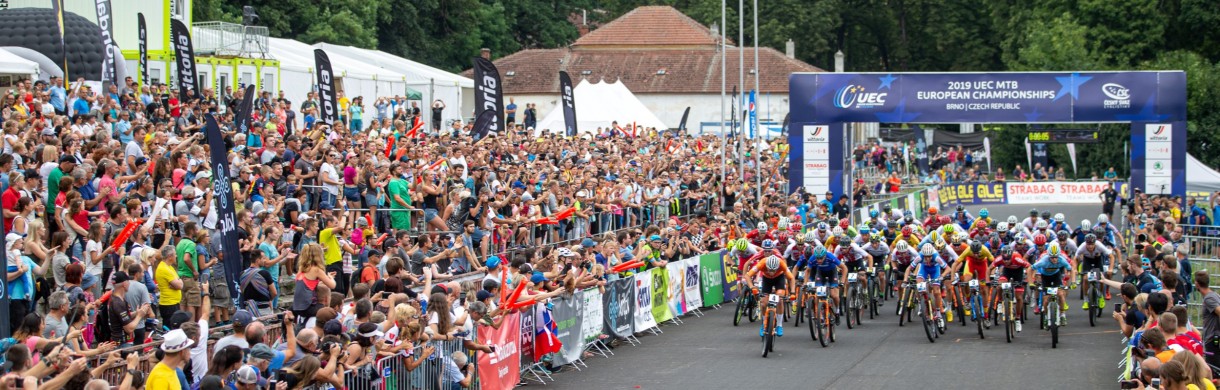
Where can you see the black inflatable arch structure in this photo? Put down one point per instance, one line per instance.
(34, 28)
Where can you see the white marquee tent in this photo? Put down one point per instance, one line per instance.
(432, 83)
(354, 76)
(1202, 177)
(599, 104)
(13, 65)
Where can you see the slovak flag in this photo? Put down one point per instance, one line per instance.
(544, 337)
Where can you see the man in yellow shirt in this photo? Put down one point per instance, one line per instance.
(170, 286)
(164, 376)
(333, 254)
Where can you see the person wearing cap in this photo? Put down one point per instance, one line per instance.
(248, 378)
(260, 358)
(360, 350)
(123, 319)
(66, 164)
(241, 320)
(164, 376)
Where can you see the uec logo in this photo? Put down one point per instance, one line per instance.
(854, 96)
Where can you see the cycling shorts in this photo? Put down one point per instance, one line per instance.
(1091, 263)
(770, 285)
(829, 278)
(1054, 280)
(978, 269)
(855, 265)
(1015, 275)
(929, 273)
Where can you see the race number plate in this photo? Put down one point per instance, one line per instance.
(851, 278)
(821, 291)
(1092, 276)
(809, 286)
(974, 283)
(773, 299)
(1005, 285)
(1052, 290)
(922, 286)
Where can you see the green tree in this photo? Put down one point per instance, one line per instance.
(1202, 101)
(1058, 44)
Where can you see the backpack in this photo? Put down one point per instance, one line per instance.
(101, 328)
(461, 214)
(250, 277)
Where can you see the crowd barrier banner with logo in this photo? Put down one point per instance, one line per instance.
(643, 302)
(619, 308)
(728, 265)
(972, 193)
(674, 272)
(1056, 192)
(591, 315)
(500, 369)
(527, 336)
(690, 284)
(711, 279)
(567, 314)
(1152, 102)
(660, 295)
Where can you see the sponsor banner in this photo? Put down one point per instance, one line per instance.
(674, 273)
(591, 314)
(711, 279)
(488, 92)
(569, 104)
(1052, 192)
(184, 53)
(972, 193)
(501, 369)
(567, 314)
(690, 284)
(618, 306)
(661, 311)
(105, 22)
(528, 333)
(728, 268)
(243, 111)
(329, 112)
(143, 61)
(643, 302)
(933, 197)
(483, 124)
(223, 198)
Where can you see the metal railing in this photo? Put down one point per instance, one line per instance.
(231, 39)
(114, 373)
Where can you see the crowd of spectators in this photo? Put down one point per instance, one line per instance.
(358, 239)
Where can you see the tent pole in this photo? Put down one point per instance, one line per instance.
(759, 141)
(723, 134)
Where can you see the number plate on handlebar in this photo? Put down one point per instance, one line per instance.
(974, 283)
(1052, 290)
(872, 270)
(1005, 285)
(922, 286)
(821, 291)
(1092, 276)
(810, 286)
(851, 278)
(773, 299)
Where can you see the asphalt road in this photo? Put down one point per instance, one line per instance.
(710, 353)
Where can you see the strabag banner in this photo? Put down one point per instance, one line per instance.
(501, 369)
(1049, 192)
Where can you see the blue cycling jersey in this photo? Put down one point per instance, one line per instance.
(828, 264)
(1045, 266)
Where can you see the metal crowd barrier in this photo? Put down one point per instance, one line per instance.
(393, 373)
(114, 374)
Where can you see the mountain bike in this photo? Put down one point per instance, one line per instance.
(873, 296)
(906, 301)
(819, 313)
(775, 305)
(1005, 310)
(1096, 299)
(747, 305)
(974, 301)
(855, 300)
(927, 312)
(1050, 316)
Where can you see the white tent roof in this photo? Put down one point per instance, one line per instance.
(599, 104)
(1202, 177)
(417, 73)
(296, 54)
(12, 64)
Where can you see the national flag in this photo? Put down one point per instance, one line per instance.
(545, 341)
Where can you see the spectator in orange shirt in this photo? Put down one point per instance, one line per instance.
(369, 273)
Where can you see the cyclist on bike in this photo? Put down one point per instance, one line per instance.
(890, 232)
(1039, 247)
(1054, 268)
(947, 254)
(1015, 227)
(1043, 228)
(757, 236)
(985, 216)
(852, 255)
(933, 220)
(1003, 232)
(976, 261)
(907, 235)
(1032, 221)
(1083, 230)
(828, 270)
(799, 250)
(1059, 223)
(981, 229)
(1111, 232)
(866, 233)
(877, 252)
(744, 251)
(1065, 242)
(768, 249)
(928, 269)
(901, 258)
(845, 224)
(958, 243)
(822, 233)
(776, 277)
(875, 218)
(994, 243)
(1093, 255)
(1012, 268)
(962, 218)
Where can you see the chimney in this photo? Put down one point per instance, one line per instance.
(582, 29)
(485, 53)
(790, 49)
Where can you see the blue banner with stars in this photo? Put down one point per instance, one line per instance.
(982, 97)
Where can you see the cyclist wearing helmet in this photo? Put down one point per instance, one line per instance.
(1016, 227)
(985, 215)
(877, 251)
(946, 252)
(928, 269)
(744, 251)
(865, 233)
(1030, 222)
(1111, 232)
(826, 269)
(1012, 268)
(776, 277)
(1052, 268)
(907, 235)
(757, 236)
(1059, 222)
(902, 257)
(768, 249)
(976, 261)
(1093, 255)
(1038, 249)
(1065, 243)
(1002, 231)
(800, 250)
(848, 228)
(1084, 229)
(822, 233)
(981, 228)
(933, 220)
(963, 218)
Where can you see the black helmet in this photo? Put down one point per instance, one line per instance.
(960, 208)
(887, 208)
(1046, 215)
(1006, 250)
(1090, 238)
(1033, 212)
(976, 246)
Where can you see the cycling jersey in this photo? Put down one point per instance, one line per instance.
(911, 240)
(747, 263)
(851, 255)
(904, 259)
(929, 267)
(822, 235)
(756, 237)
(1068, 246)
(772, 280)
(1029, 223)
(1012, 268)
(932, 222)
(976, 263)
(947, 253)
(1093, 258)
(830, 263)
(1057, 226)
(1047, 267)
(877, 250)
(796, 253)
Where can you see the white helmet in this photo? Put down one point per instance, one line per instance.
(1086, 225)
(1041, 225)
(762, 226)
(927, 250)
(1059, 217)
(1012, 220)
(823, 226)
(810, 237)
(1002, 226)
(1102, 218)
(773, 262)
(902, 246)
(782, 224)
(836, 231)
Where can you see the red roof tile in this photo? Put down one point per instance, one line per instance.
(650, 26)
